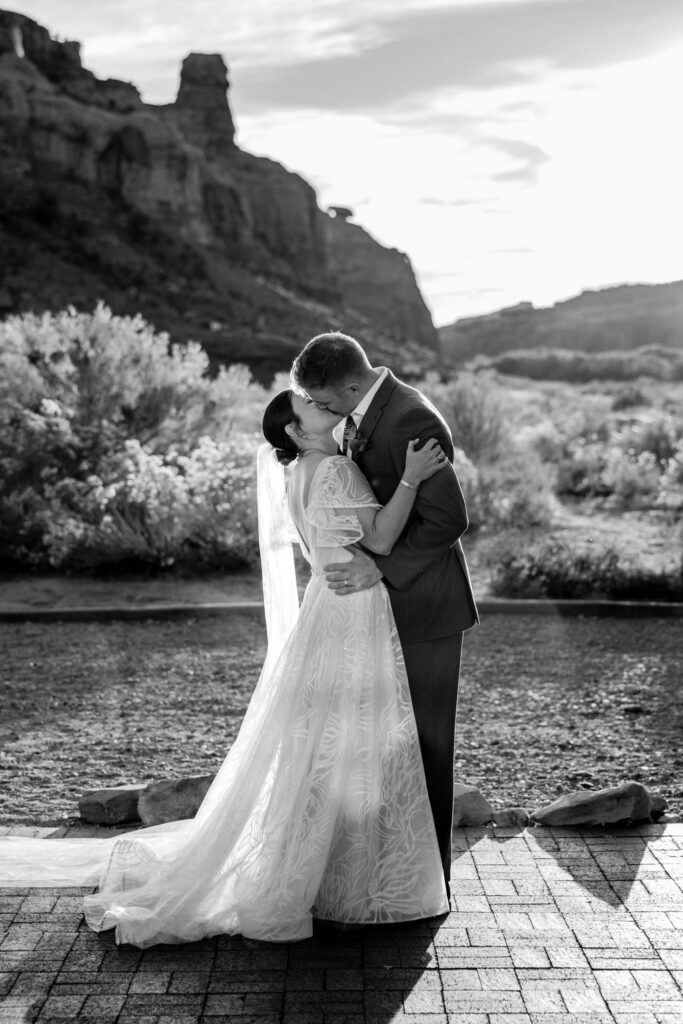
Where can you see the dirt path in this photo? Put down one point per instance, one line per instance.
(54, 591)
(547, 705)
(650, 536)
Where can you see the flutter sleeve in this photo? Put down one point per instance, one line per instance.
(337, 490)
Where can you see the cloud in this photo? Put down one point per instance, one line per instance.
(359, 54)
(528, 159)
(478, 46)
(441, 201)
(521, 107)
(422, 115)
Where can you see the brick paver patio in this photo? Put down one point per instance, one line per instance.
(549, 926)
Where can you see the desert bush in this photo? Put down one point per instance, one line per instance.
(670, 494)
(196, 511)
(468, 474)
(511, 494)
(544, 439)
(107, 372)
(629, 396)
(578, 367)
(608, 455)
(590, 422)
(579, 472)
(657, 437)
(555, 569)
(631, 478)
(627, 479)
(103, 445)
(474, 408)
(507, 483)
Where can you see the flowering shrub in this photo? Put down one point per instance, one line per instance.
(657, 437)
(105, 453)
(511, 494)
(589, 422)
(114, 373)
(542, 438)
(623, 462)
(671, 481)
(117, 448)
(579, 472)
(632, 479)
(505, 483)
(194, 510)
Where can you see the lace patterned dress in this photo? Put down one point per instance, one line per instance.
(320, 809)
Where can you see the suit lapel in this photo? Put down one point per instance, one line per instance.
(374, 413)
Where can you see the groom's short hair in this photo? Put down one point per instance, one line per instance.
(327, 360)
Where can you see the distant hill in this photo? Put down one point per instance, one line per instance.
(157, 210)
(608, 320)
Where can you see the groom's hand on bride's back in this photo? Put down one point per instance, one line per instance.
(360, 573)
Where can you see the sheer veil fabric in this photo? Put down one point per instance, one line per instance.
(320, 808)
(276, 532)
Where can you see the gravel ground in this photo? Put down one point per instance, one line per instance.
(547, 705)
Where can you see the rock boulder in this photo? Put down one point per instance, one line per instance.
(110, 806)
(173, 799)
(470, 806)
(511, 817)
(367, 272)
(630, 801)
(201, 107)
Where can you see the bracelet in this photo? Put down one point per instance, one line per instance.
(413, 487)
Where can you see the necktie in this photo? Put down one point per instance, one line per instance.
(349, 433)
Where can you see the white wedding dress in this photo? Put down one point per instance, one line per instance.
(320, 809)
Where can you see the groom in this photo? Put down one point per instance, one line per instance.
(426, 573)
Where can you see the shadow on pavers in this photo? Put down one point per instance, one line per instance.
(598, 862)
(66, 969)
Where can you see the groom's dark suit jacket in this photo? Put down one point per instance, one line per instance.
(426, 573)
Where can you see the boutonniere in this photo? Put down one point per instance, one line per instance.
(357, 445)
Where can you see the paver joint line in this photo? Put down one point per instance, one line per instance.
(599, 955)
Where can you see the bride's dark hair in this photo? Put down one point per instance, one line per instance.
(278, 414)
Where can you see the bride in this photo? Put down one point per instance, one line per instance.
(320, 810)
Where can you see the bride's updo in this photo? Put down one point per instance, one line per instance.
(278, 414)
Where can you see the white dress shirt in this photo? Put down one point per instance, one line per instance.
(361, 408)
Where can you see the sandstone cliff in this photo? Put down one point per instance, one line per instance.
(376, 281)
(609, 319)
(156, 209)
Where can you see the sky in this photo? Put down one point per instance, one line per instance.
(516, 150)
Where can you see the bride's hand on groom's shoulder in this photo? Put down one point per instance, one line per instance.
(360, 573)
(423, 462)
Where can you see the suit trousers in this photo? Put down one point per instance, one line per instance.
(433, 672)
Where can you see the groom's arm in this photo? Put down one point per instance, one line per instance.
(439, 514)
